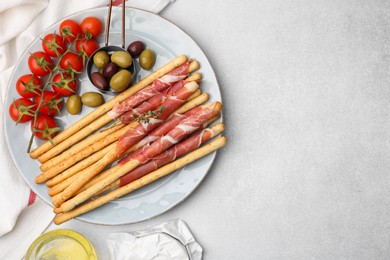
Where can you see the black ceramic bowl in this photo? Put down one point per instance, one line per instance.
(91, 68)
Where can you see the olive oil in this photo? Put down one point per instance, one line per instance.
(61, 244)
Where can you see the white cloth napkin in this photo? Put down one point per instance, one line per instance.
(21, 21)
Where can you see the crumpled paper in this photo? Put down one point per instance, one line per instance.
(171, 240)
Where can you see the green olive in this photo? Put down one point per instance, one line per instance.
(100, 59)
(121, 80)
(92, 99)
(147, 59)
(73, 104)
(122, 59)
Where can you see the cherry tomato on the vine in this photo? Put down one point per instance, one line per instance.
(72, 61)
(64, 84)
(52, 103)
(40, 63)
(87, 46)
(22, 110)
(53, 44)
(46, 127)
(70, 30)
(91, 25)
(29, 86)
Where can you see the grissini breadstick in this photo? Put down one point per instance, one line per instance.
(97, 146)
(186, 127)
(194, 65)
(58, 183)
(171, 103)
(174, 119)
(153, 136)
(63, 180)
(159, 84)
(131, 137)
(107, 106)
(65, 164)
(66, 195)
(140, 103)
(147, 179)
(100, 135)
(75, 137)
(196, 76)
(92, 158)
(168, 156)
(80, 146)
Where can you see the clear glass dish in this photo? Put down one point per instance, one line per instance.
(61, 244)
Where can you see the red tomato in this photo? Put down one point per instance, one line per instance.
(40, 63)
(45, 128)
(64, 84)
(91, 25)
(72, 61)
(51, 104)
(70, 30)
(22, 110)
(87, 46)
(29, 86)
(53, 44)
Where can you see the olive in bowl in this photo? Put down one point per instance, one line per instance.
(111, 70)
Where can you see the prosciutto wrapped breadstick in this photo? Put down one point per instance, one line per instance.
(131, 137)
(44, 176)
(86, 159)
(168, 156)
(141, 145)
(186, 127)
(67, 163)
(145, 180)
(151, 104)
(155, 88)
(158, 84)
(64, 179)
(108, 106)
(105, 132)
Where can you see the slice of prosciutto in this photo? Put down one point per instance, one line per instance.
(160, 131)
(174, 88)
(156, 87)
(151, 104)
(133, 135)
(167, 126)
(185, 128)
(167, 156)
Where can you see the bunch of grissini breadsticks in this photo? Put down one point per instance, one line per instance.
(157, 126)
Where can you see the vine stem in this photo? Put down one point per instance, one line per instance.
(47, 83)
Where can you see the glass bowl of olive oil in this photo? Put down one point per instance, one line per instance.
(61, 244)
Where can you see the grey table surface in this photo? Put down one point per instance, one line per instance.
(306, 95)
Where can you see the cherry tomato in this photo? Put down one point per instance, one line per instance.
(64, 84)
(22, 110)
(45, 128)
(72, 61)
(51, 104)
(87, 46)
(91, 25)
(70, 30)
(29, 86)
(40, 63)
(53, 44)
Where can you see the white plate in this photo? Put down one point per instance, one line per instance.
(168, 41)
